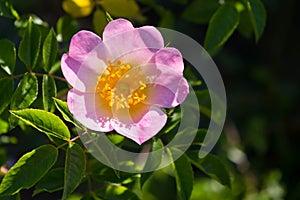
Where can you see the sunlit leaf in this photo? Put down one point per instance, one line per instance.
(28, 170)
(74, 168)
(26, 19)
(116, 192)
(48, 92)
(51, 182)
(7, 10)
(212, 166)
(49, 50)
(115, 138)
(43, 121)
(221, 26)
(4, 127)
(6, 87)
(7, 56)
(62, 106)
(29, 48)
(25, 93)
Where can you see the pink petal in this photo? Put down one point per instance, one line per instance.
(182, 92)
(151, 37)
(82, 76)
(85, 61)
(146, 39)
(169, 57)
(116, 27)
(167, 88)
(137, 57)
(149, 125)
(89, 111)
(83, 43)
(159, 95)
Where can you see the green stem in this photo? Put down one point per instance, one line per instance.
(51, 75)
(36, 74)
(68, 142)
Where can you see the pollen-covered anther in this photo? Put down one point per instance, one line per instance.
(130, 85)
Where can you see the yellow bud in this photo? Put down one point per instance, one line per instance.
(78, 8)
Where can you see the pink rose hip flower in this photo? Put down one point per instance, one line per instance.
(119, 83)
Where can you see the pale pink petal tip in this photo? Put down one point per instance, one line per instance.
(116, 27)
(83, 107)
(150, 124)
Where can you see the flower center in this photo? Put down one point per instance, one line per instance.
(121, 85)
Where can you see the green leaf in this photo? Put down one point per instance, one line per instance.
(7, 56)
(24, 96)
(221, 26)
(200, 11)
(74, 168)
(99, 21)
(101, 172)
(29, 48)
(7, 10)
(258, 17)
(153, 161)
(28, 19)
(212, 166)
(62, 106)
(244, 28)
(6, 87)
(28, 170)
(121, 8)
(51, 182)
(116, 192)
(48, 92)
(203, 97)
(66, 27)
(183, 175)
(50, 48)
(4, 128)
(115, 138)
(43, 121)
(25, 93)
(13, 197)
(198, 140)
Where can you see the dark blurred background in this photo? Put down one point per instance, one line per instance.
(262, 82)
(262, 133)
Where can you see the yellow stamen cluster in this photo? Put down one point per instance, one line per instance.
(121, 86)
